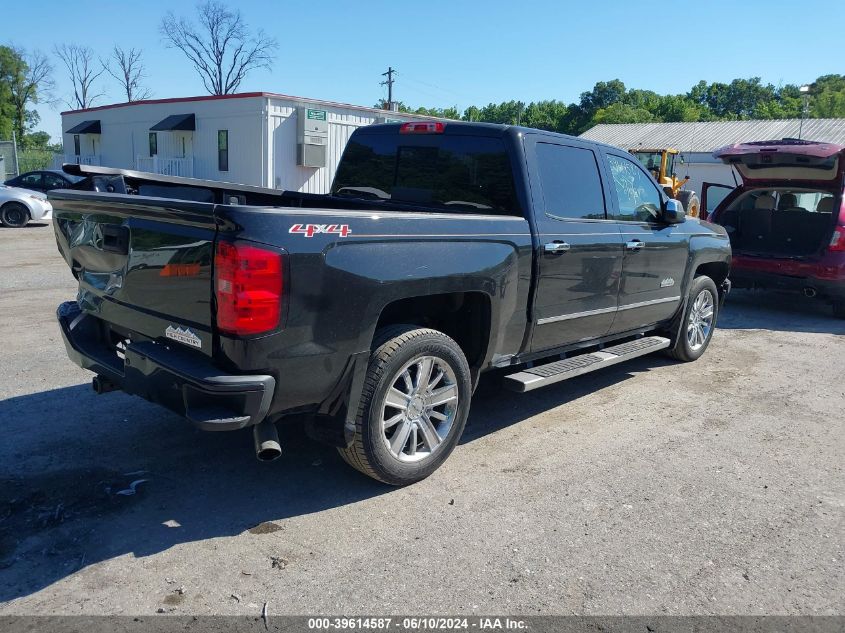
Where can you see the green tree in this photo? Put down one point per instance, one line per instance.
(27, 80)
(546, 115)
(38, 140)
(603, 95)
(679, 108)
(9, 65)
(382, 104)
(827, 96)
(611, 102)
(622, 113)
(441, 113)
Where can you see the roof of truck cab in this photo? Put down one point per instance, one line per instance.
(481, 128)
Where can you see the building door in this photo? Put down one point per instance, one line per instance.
(183, 144)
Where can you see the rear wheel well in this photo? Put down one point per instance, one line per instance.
(463, 316)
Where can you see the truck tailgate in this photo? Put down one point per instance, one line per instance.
(143, 264)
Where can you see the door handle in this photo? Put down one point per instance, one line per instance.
(556, 247)
(634, 245)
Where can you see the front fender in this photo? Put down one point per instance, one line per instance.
(708, 249)
(36, 208)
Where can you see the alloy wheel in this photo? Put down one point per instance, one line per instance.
(419, 408)
(700, 321)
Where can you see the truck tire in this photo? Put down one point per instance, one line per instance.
(691, 203)
(698, 321)
(14, 215)
(413, 408)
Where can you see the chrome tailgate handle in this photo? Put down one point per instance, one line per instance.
(556, 247)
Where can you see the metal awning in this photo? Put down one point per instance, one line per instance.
(183, 122)
(86, 127)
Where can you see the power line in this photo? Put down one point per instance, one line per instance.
(435, 87)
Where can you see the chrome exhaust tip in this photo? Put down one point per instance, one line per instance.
(267, 447)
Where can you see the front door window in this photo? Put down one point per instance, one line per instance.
(639, 199)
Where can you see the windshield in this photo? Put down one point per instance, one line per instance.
(670, 164)
(650, 160)
(461, 174)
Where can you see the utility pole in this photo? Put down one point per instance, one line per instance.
(389, 84)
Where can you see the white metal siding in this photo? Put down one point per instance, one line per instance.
(286, 174)
(262, 137)
(702, 167)
(706, 136)
(125, 135)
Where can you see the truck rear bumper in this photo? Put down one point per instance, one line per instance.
(176, 379)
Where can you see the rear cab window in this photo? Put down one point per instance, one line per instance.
(446, 173)
(570, 181)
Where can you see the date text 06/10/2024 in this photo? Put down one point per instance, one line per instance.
(416, 623)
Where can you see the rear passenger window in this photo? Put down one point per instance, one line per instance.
(639, 199)
(569, 177)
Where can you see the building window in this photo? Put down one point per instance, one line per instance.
(76, 145)
(223, 150)
(153, 143)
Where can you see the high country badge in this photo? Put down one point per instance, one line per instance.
(183, 335)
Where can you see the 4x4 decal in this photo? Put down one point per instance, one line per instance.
(310, 230)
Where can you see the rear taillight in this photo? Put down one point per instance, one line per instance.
(248, 285)
(837, 241)
(427, 127)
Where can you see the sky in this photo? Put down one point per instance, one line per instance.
(457, 53)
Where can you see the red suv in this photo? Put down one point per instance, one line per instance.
(786, 221)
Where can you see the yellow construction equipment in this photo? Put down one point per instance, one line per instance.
(661, 164)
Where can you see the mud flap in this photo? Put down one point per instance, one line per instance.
(334, 423)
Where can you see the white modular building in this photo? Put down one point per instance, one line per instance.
(257, 138)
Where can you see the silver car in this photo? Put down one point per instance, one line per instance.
(19, 206)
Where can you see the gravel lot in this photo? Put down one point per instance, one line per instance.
(708, 488)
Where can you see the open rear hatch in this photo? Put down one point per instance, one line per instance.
(144, 266)
(789, 160)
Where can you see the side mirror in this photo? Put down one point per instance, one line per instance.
(673, 212)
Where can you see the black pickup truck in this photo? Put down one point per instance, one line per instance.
(443, 250)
